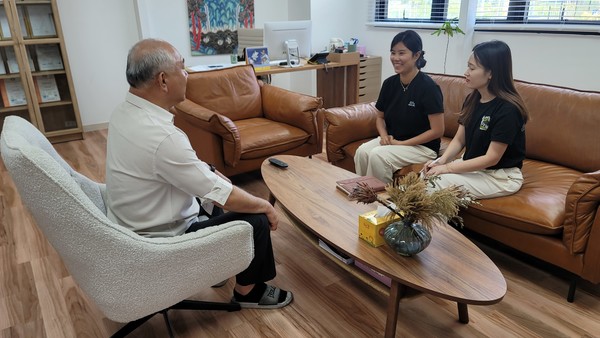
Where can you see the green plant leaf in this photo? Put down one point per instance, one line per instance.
(449, 27)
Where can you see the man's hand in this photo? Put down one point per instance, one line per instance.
(243, 202)
(273, 218)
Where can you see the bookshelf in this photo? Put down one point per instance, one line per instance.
(35, 79)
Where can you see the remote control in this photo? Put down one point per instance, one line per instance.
(278, 163)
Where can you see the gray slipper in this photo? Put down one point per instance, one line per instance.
(269, 299)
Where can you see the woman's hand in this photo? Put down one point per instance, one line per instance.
(386, 140)
(431, 164)
(438, 168)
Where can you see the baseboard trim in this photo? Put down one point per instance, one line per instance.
(94, 127)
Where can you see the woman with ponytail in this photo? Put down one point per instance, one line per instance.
(491, 130)
(410, 120)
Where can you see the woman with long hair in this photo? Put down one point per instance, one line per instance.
(491, 129)
(410, 120)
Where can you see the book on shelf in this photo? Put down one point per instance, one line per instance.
(4, 27)
(342, 257)
(258, 57)
(12, 92)
(22, 20)
(348, 185)
(380, 277)
(46, 89)
(11, 60)
(48, 57)
(12, 63)
(41, 20)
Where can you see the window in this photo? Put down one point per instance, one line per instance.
(550, 16)
(414, 10)
(539, 11)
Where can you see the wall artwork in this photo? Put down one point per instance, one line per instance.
(214, 23)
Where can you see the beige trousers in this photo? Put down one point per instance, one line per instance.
(487, 183)
(373, 159)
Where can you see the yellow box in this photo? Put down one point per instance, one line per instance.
(369, 227)
(352, 57)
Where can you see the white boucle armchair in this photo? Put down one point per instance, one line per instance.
(129, 277)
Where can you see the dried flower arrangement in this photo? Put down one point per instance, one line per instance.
(410, 199)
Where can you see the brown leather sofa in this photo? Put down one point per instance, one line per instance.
(235, 121)
(555, 216)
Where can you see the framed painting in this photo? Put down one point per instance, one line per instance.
(213, 25)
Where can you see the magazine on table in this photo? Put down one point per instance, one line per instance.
(348, 185)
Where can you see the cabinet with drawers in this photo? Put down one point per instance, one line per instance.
(369, 78)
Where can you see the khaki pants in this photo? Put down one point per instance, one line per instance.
(487, 183)
(373, 159)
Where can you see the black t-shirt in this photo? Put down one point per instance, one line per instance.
(500, 121)
(406, 112)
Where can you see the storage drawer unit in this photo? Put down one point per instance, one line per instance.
(369, 78)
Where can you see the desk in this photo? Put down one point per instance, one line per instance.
(337, 82)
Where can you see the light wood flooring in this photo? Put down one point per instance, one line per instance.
(39, 298)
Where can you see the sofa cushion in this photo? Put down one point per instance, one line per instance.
(261, 137)
(539, 207)
(215, 90)
(583, 201)
(564, 125)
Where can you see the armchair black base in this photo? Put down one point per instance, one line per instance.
(183, 305)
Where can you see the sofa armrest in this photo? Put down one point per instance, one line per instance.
(292, 108)
(215, 123)
(582, 202)
(348, 124)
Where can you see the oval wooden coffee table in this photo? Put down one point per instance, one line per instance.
(451, 267)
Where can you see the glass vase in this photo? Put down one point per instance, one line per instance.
(406, 237)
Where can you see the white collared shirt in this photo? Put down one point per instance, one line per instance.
(152, 173)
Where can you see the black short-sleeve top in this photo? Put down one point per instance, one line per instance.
(497, 120)
(406, 112)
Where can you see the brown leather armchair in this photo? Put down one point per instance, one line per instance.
(235, 121)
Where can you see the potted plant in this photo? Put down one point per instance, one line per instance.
(420, 209)
(448, 28)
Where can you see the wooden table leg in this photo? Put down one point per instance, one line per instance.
(397, 290)
(463, 313)
(272, 199)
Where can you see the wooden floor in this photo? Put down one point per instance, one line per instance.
(38, 297)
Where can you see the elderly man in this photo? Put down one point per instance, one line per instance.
(156, 183)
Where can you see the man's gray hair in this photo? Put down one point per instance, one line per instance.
(144, 63)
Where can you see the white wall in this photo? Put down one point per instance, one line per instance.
(98, 35)
(336, 19)
(563, 60)
(168, 20)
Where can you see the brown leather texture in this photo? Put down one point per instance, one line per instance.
(256, 143)
(554, 216)
(346, 125)
(538, 207)
(235, 122)
(215, 90)
(583, 200)
(564, 126)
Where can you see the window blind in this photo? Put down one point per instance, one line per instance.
(412, 10)
(538, 12)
